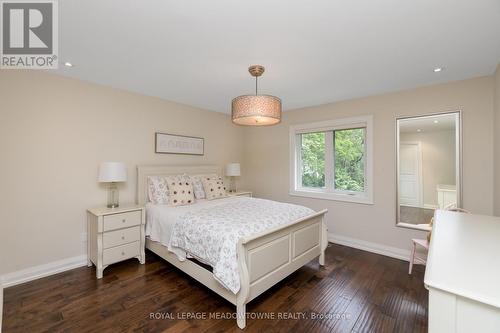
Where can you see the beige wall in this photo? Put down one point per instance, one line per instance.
(54, 132)
(267, 156)
(438, 160)
(497, 140)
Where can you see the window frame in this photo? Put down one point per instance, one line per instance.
(329, 192)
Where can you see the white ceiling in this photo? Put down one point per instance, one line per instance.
(315, 52)
(444, 122)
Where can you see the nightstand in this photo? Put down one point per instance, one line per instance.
(115, 234)
(241, 194)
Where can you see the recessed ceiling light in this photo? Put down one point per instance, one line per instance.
(436, 121)
(68, 64)
(419, 130)
(438, 69)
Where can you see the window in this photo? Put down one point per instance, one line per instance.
(349, 159)
(332, 160)
(312, 151)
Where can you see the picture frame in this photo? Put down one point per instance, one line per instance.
(166, 143)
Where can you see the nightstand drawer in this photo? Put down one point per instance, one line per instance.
(120, 253)
(120, 237)
(122, 220)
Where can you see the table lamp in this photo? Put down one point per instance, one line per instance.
(233, 170)
(112, 173)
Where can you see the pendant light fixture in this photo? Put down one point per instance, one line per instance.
(256, 110)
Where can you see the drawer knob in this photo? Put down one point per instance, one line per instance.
(123, 237)
(123, 253)
(123, 221)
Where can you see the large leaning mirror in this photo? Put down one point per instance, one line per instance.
(428, 167)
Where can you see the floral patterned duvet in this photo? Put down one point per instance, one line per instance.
(211, 234)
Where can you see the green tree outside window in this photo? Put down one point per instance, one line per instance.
(349, 160)
(349, 168)
(313, 159)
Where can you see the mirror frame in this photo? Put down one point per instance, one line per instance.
(458, 162)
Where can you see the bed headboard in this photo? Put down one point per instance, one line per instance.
(143, 171)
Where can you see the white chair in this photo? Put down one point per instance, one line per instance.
(415, 241)
(425, 242)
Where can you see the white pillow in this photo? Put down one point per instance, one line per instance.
(157, 190)
(199, 192)
(214, 187)
(180, 190)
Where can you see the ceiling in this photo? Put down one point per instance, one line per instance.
(197, 52)
(444, 122)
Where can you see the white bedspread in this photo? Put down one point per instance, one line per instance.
(210, 230)
(160, 220)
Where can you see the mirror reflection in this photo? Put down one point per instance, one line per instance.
(428, 167)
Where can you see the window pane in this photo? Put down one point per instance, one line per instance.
(313, 159)
(349, 160)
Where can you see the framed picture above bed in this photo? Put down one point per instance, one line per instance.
(178, 144)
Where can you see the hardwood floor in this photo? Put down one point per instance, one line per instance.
(415, 215)
(356, 291)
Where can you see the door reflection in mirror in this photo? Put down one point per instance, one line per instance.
(428, 167)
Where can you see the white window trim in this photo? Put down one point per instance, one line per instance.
(365, 197)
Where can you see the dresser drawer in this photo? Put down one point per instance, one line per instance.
(122, 220)
(120, 253)
(120, 237)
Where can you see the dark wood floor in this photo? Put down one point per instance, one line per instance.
(356, 291)
(415, 215)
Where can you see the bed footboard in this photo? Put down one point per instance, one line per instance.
(267, 258)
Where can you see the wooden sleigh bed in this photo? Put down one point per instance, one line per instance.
(264, 259)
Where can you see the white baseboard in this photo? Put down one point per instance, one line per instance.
(33, 273)
(385, 250)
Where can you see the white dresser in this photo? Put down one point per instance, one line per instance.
(447, 195)
(115, 234)
(463, 273)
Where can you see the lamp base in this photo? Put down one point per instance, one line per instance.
(232, 184)
(113, 196)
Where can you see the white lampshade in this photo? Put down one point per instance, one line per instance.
(112, 172)
(233, 170)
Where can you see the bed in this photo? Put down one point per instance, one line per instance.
(261, 258)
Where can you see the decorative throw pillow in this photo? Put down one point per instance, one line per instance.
(214, 187)
(180, 190)
(157, 190)
(199, 192)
